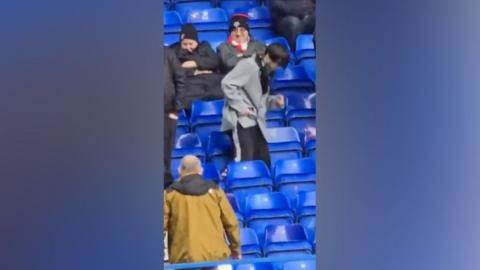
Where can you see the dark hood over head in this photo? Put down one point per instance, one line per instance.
(193, 184)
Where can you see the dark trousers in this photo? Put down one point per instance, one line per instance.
(253, 145)
(170, 127)
(291, 26)
(202, 87)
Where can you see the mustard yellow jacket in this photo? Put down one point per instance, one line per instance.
(197, 215)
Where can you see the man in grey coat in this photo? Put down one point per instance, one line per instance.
(239, 44)
(247, 99)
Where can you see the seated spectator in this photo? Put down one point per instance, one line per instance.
(200, 63)
(239, 44)
(196, 215)
(293, 17)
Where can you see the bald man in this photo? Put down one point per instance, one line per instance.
(197, 214)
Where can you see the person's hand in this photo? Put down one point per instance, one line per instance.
(200, 72)
(236, 256)
(239, 55)
(280, 101)
(248, 112)
(189, 64)
(173, 116)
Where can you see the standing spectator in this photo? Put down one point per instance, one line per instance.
(293, 17)
(239, 44)
(247, 99)
(174, 91)
(201, 64)
(196, 215)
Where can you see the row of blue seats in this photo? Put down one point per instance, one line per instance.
(292, 265)
(280, 240)
(283, 143)
(230, 6)
(206, 116)
(212, 25)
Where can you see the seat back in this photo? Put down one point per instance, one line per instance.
(233, 202)
(300, 265)
(185, 7)
(210, 19)
(214, 38)
(266, 201)
(255, 266)
(305, 47)
(188, 141)
(206, 112)
(258, 16)
(210, 172)
(282, 135)
(248, 170)
(294, 167)
(172, 22)
(231, 6)
(306, 199)
(292, 79)
(285, 233)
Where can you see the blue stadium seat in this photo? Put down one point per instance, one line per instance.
(166, 4)
(214, 38)
(309, 224)
(262, 34)
(169, 39)
(294, 176)
(265, 209)
(250, 245)
(184, 7)
(232, 5)
(219, 149)
(172, 22)
(206, 117)
(292, 79)
(310, 67)
(300, 265)
(305, 48)
(283, 143)
(211, 19)
(182, 123)
(234, 203)
(186, 144)
(248, 177)
(275, 118)
(259, 17)
(255, 266)
(310, 141)
(286, 240)
(306, 205)
(210, 172)
(300, 111)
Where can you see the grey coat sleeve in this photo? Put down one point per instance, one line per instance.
(233, 82)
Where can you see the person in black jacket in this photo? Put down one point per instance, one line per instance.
(201, 64)
(293, 17)
(174, 95)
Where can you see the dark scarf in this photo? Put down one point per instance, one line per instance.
(265, 74)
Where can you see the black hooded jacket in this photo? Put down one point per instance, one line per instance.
(193, 184)
(204, 56)
(297, 8)
(174, 83)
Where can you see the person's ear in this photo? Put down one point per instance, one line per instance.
(200, 171)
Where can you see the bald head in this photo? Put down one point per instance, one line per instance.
(190, 165)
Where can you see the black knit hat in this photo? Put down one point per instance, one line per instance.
(239, 20)
(189, 32)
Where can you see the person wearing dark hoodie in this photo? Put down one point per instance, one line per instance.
(293, 17)
(240, 44)
(200, 64)
(196, 215)
(174, 91)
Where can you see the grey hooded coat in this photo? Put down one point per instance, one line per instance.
(243, 92)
